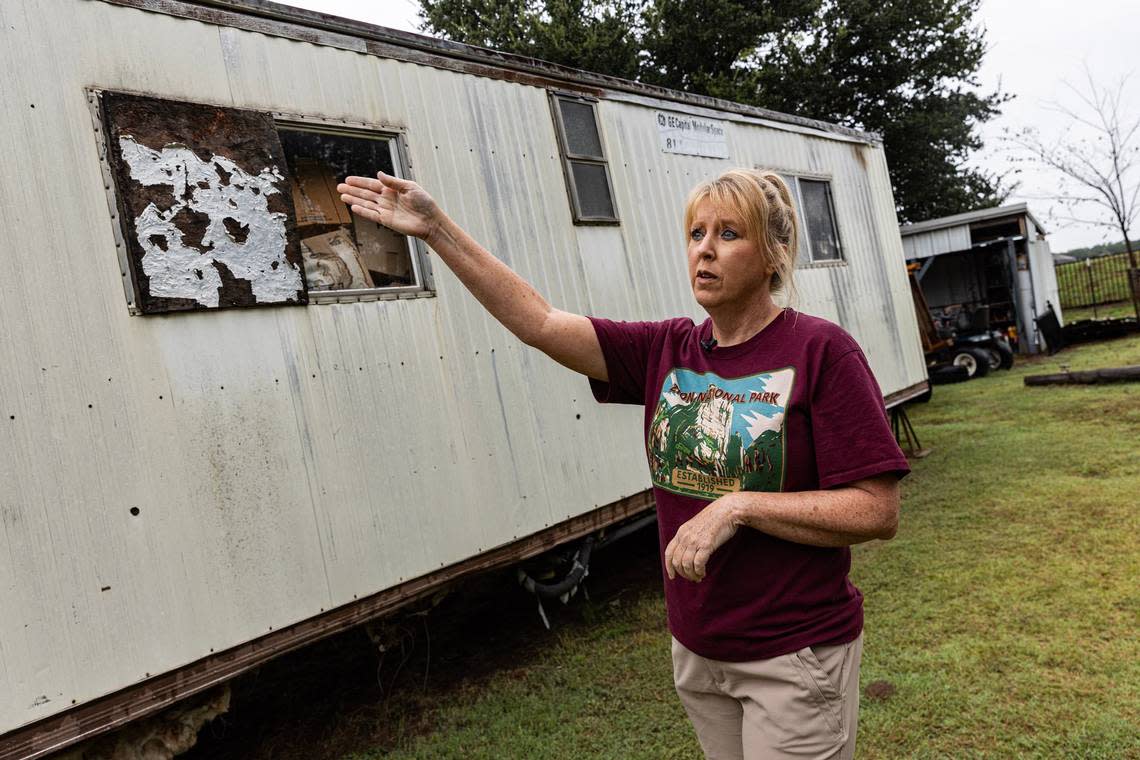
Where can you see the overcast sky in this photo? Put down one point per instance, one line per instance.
(1035, 46)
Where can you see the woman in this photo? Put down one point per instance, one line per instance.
(769, 451)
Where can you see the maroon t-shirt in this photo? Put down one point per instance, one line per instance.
(794, 408)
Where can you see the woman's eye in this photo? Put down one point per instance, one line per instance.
(728, 235)
(696, 234)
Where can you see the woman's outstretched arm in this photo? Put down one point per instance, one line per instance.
(405, 207)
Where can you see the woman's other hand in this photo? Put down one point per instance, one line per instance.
(687, 555)
(398, 204)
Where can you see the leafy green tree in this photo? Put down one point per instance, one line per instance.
(595, 35)
(705, 46)
(906, 69)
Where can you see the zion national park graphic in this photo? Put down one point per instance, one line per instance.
(711, 436)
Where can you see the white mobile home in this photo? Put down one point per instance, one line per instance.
(235, 420)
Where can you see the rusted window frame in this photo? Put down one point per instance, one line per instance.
(421, 265)
(568, 156)
(801, 212)
(130, 287)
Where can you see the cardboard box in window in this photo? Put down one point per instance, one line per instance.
(314, 195)
(384, 252)
(332, 262)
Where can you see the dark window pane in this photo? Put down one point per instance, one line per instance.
(593, 188)
(341, 154)
(342, 251)
(820, 219)
(581, 131)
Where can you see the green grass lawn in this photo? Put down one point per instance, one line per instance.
(1005, 614)
(1113, 310)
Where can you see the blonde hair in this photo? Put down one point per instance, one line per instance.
(764, 203)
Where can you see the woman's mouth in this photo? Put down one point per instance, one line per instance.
(705, 276)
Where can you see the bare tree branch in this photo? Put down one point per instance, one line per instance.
(1103, 164)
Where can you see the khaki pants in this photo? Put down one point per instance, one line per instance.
(799, 705)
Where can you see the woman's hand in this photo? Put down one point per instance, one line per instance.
(398, 204)
(688, 553)
(403, 206)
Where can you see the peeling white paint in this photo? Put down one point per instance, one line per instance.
(221, 190)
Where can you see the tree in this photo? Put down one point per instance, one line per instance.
(699, 45)
(596, 35)
(1095, 159)
(904, 68)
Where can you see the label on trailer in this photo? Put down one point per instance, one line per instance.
(692, 135)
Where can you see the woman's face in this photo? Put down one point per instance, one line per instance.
(725, 268)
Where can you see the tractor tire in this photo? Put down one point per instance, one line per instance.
(1000, 358)
(993, 357)
(975, 360)
(948, 373)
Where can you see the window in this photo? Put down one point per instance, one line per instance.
(342, 252)
(584, 160)
(819, 234)
(222, 207)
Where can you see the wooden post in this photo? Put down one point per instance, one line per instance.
(1088, 377)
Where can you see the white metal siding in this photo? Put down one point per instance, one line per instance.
(923, 245)
(287, 461)
(1044, 276)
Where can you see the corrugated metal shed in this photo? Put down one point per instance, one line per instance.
(952, 233)
(182, 485)
(935, 242)
(958, 277)
(969, 217)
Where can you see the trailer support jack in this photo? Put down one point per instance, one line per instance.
(900, 423)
